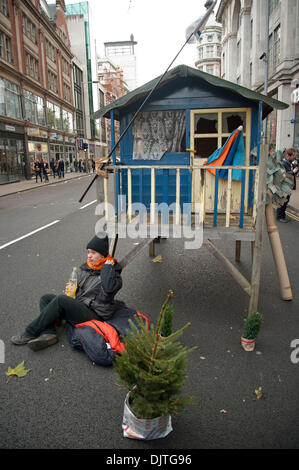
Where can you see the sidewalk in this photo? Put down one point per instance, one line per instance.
(26, 185)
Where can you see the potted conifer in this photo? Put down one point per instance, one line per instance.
(251, 330)
(152, 370)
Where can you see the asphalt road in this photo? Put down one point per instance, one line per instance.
(66, 402)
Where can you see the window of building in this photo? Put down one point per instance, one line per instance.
(52, 81)
(251, 32)
(29, 29)
(32, 66)
(211, 129)
(34, 108)
(274, 49)
(200, 52)
(67, 92)
(10, 99)
(65, 66)
(239, 52)
(50, 51)
(5, 48)
(210, 37)
(210, 69)
(4, 7)
(209, 51)
(68, 124)
(54, 116)
(273, 5)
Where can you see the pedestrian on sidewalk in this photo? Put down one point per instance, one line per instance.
(61, 168)
(38, 170)
(99, 279)
(52, 166)
(288, 158)
(45, 169)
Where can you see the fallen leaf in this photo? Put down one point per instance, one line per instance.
(158, 259)
(259, 393)
(19, 371)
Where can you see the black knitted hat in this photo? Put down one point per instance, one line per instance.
(99, 243)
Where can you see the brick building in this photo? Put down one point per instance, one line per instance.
(36, 86)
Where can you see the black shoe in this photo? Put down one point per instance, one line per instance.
(284, 220)
(42, 342)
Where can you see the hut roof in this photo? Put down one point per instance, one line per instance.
(184, 71)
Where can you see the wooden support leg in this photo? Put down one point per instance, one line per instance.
(151, 249)
(259, 233)
(238, 251)
(252, 250)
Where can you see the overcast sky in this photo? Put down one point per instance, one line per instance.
(158, 27)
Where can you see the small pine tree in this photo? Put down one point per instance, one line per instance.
(252, 325)
(152, 368)
(166, 326)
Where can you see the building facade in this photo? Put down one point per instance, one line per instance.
(111, 79)
(122, 53)
(36, 97)
(209, 48)
(83, 46)
(245, 56)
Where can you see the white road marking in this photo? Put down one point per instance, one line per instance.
(29, 234)
(89, 204)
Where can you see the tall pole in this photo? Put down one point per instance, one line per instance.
(266, 65)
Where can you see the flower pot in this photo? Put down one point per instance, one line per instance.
(248, 344)
(144, 429)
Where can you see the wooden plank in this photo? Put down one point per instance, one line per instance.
(238, 251)
(242, 200)
(178, 197)
(130, 194)
(216, 198)
(134, 252)
(229, 267)
(259, 234)
(228, 197)
(153, 195)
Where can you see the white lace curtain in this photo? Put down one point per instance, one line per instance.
(156, 133)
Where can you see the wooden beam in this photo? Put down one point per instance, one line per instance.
(229, 267)
(259, 234)
(134, 252)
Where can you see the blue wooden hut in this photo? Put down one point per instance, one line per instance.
(189, 116)
(163, 154)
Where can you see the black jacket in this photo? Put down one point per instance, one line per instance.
(97, 289)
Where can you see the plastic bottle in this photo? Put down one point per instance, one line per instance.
(72, 284)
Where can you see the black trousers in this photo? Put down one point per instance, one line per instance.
(281, 211)
(54, 307)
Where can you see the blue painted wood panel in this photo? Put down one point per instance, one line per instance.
(165, 186)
